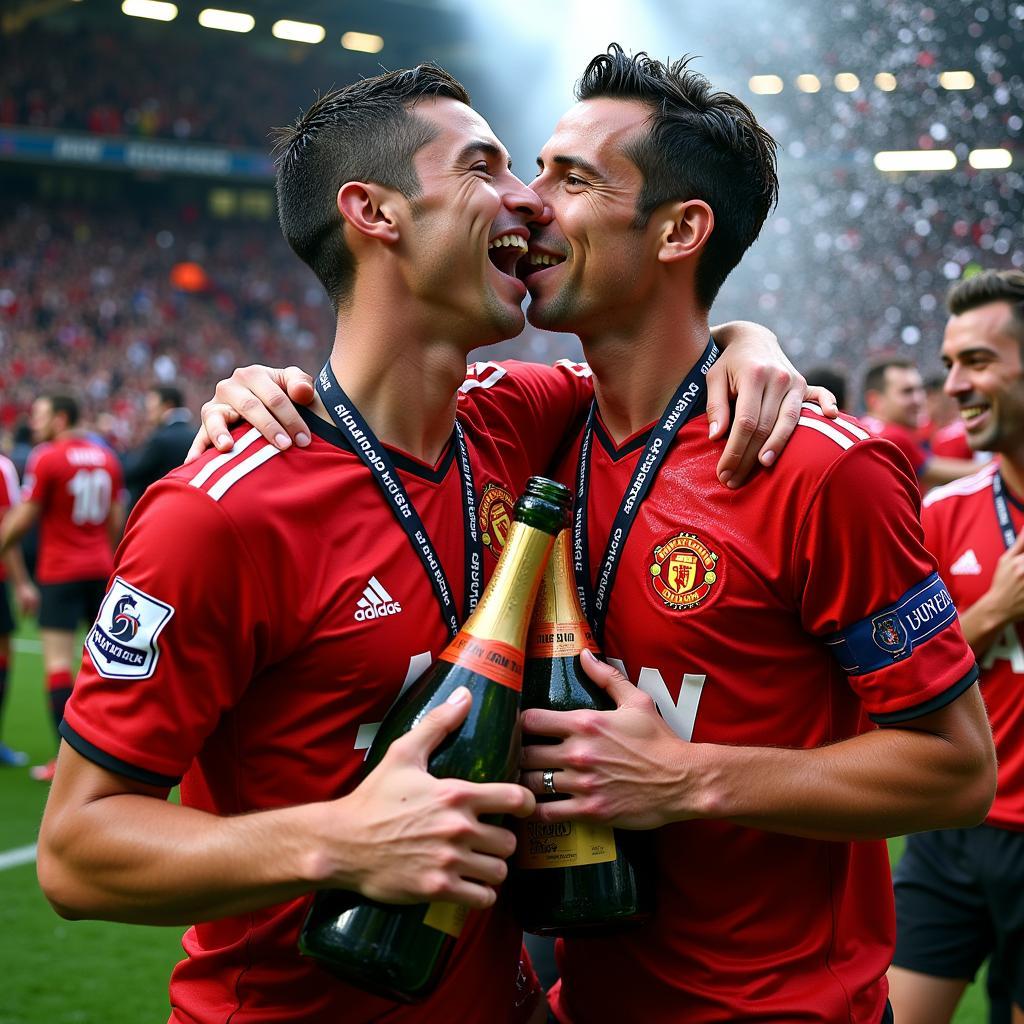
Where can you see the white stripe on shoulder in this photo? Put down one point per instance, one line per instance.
(961, 488)
(10, 480)
(214, 464)
(246, 466)
(828, 430)
(858, 432)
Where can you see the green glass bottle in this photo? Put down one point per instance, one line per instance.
(572, 878)
(401, 951)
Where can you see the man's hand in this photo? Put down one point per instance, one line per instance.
(414, 838)
(27, 596)
(768, 391)
(262, 395)
(624, 767)
(1000, 605)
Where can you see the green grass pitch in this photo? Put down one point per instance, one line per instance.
(90, 972)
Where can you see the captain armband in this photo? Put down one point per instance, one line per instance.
(891, 634)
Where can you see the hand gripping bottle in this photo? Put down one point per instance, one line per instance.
(401, 951)
(572, 878)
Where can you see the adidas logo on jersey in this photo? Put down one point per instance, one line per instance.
(376, 602)
(966, 565)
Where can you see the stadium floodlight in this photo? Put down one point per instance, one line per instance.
(885, 81)
(226, 21)
(990, 159)
(847, 82)
(299, 31)
(916, 160)
(956, 80)
(155, 10)
(808, 83)
(364, 42)
(766, 85)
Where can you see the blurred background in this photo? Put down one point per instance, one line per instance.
(139, 245)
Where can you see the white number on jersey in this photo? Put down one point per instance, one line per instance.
(678, 714)
(418, 664)
(482, 375)
(91, 490)
(1007, 647)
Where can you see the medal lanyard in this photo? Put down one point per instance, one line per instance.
(689, 399)
(364, 443)
(1003, 510)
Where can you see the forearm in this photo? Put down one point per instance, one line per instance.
(982, 623)
(138, 859)
(14, 563)
(883, 783)
(16, 524)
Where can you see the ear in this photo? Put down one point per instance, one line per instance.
(686, 227)
(368, 209)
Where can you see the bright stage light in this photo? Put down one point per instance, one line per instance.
(956, 80)
(226, 21)
(155, 10)
(808, 83)
(766, 85)
(299, 31)
(916, 160)
(885, 81)
(990, 159)
(364, 42)
(847, 82)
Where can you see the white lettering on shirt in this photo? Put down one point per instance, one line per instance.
(1008, 648)
(680, 714)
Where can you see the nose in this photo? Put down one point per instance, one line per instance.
(520, 198)
(956, 382)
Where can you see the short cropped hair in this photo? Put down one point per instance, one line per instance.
(874, 378)
(168, 394)
(991, 286)
(701, 145)
(365, 131)
(67, 404)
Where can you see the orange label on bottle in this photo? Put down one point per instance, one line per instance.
(446, 917)
(559, 640)
(564, 844)
(500, 662)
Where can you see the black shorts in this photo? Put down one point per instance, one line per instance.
(960, 899)
(6, 618)
(65, 605)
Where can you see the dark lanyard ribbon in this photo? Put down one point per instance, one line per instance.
(1003, 510)
(690, 398)
(364, 443)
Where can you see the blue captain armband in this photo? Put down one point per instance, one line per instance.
(892, 633)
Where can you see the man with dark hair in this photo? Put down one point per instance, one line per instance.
(167, 445)
(834, 380)
(763, 625)
(960, 892)
(73, 489)
(269, 606)
(894, 396)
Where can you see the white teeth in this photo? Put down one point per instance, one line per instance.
(972, 412)
(540, 259)
(505, 240)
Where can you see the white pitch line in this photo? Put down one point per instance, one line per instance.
(18, 856)
(28, 646)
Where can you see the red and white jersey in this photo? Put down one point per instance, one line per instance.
(772, 615)
(903, 437)
(962, 531)
(950, 441)
(10, 495)
(74, 481)
(265, 612)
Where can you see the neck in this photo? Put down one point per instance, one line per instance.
(1011, 468)
(637, 370)
(403, 380)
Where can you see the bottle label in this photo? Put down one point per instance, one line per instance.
(559, 640)
(446, 917)
(564, 844)
(500, 662)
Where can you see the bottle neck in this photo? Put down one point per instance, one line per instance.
(559, 627)
(503, 613)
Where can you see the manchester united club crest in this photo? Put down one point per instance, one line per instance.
(684, 571)
(495, 517)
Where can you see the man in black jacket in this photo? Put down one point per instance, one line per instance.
(165, 447)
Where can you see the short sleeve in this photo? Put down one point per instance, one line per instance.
(35, 486)
(872, 593)
(181, 631)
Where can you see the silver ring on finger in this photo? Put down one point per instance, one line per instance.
(548, 777)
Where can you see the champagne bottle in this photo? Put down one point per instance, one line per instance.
(401, 951)
(572, 878)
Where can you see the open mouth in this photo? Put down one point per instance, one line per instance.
(505, 252)
(972, 414)
(536, 261)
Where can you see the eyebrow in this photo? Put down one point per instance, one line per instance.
(486, 148)
(572, 161)
(978, 350)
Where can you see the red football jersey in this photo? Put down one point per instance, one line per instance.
(9, 495)
(74, 481)
(962, 531)
(726, 609)
(266, 611)
(904, 439)
(950, 441)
